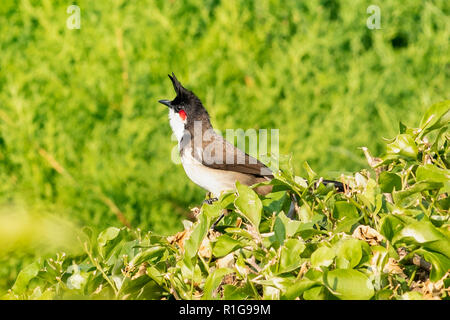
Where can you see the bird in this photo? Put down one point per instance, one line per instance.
(209, 160)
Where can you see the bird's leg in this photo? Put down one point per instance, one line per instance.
(209, 200)
(225, 211)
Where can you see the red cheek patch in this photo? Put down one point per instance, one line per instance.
(182, 114)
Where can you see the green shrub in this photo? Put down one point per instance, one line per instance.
(386, 237)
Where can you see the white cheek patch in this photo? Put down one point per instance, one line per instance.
(177, 124)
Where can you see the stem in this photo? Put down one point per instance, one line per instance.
(99, 268)
(412, 277)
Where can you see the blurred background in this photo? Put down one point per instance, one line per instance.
(84, 142)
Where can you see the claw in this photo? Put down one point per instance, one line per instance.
(210, 200)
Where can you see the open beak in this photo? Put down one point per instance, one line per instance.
(166, 102)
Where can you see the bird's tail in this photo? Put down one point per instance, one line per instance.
(338, 185)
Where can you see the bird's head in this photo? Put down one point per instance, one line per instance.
(185, 109)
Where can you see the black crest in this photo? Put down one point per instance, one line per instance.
(182, 92)
(189, 102)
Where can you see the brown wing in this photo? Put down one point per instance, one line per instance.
(220, 154)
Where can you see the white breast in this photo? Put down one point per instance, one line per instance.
(212, 180)
(177, 124)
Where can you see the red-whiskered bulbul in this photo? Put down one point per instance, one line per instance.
(208, 159)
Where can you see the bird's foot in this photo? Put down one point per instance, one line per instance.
(210, 200)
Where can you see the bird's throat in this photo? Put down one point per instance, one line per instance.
(177, 124)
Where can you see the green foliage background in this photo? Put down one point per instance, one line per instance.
(82, 135)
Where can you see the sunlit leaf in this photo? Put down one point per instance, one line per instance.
(323, 256)
(290, 255)
(192, 244)
(109, 234)
(403, 146)
(225, 244)
(309, 171)
(24, 277)
(213, 281)
(404, 197)
(234, 293)
(436, 116)
(248, 204)
(424, 233)
(315, 293)
(349, 253)
(432, 173)
(298, 287)
(440, 263)
(349, 284)
(389, 181)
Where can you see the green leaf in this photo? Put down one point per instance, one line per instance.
(275, 201)
(389, 181)
(346, 214)
(384, 294)
(403, 146)
(402, 128)
(307, 231)
(213, 281)
(271, 293)
(346, 224)
(432, 173)
(283, 228)
(290, 226)
(107, 235)
(190, 270)
(298, 287)
(234, 293)
(24, 277)
(423, 233)
(279, 233)
(349, 284)
(226, 199)
(390, 226)
(315, 293)
(368, 196)
(77, 280)
(440, 263)
(305, 213)
(309, 171)
(196, 237)
(437, 116)
(248, 204)
(285, 165)
(323, 256)
(349, 253)
(344, 209)
(238, 231)
(290, 255)
(212, 211)
(403, 198)
(147, 255)
(225, 244)
(155, 275)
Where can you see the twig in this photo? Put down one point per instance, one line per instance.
(116, 210)
(99, 268)
(54, 164)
